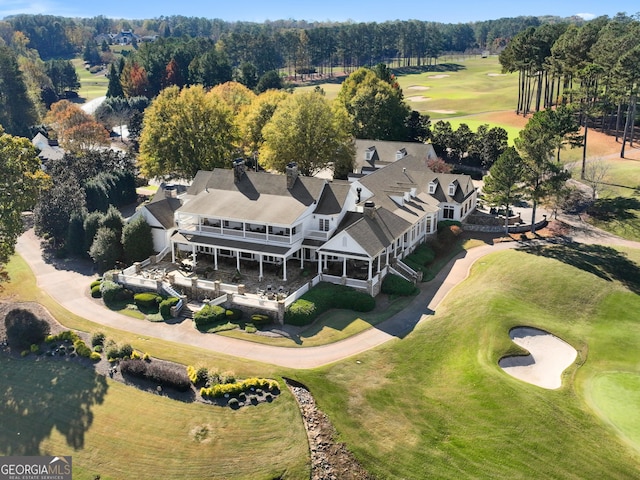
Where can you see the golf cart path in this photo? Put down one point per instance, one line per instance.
(69, 286)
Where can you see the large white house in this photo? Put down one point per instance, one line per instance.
(356, 229)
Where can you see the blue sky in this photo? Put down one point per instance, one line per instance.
(336, 10)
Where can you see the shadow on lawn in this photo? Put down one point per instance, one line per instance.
(618, 208)
(602, 261)
(38, 395)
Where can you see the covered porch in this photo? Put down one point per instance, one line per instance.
(194, 252)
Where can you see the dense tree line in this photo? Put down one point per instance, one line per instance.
(594, 68)
(297, 46)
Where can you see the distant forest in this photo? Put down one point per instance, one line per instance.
(285, 43)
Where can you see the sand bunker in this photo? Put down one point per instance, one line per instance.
(438, 76)
(549, 357)
(418, 87)
(496, 74)
(418, 98)
(444, 112)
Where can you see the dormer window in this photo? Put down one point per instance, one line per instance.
(368, 155)
(452, 189)
(401, 153)
(432, 187)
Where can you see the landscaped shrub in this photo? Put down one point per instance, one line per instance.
(147, 301)
(197, 376)
(95, 291)
(34, 348)
(236, 388)
(111, 291)
(208, 315)
(95, 356)
(396, 285)
(163, 374)
(82, 349)
(97, 339)
(301, 312)
(233, 314)
(325, 296)
(24, 328)
(165, 306)
(421, 257)
(119, 351)
(95, 283)
(233, 403)
(260, 318)
(448, 231)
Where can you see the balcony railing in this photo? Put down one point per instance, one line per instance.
(209, 230)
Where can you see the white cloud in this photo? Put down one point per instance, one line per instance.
(586, 16)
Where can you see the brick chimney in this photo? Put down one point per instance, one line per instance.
(292, 174)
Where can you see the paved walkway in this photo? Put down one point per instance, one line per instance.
(69, 286)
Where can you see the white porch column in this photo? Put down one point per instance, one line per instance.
(301, 258)
(319, 263)
(260, 276)
(238, 260)
(379, 256)
(344, 266)
(370, 269)
(173, 252)
(284, 269)
(215, 258)
(193, 256)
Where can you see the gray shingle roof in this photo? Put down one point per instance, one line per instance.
(259, 196)
(384, 152)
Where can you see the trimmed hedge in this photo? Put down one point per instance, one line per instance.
(325, 296)
(166, 304)
(163, 374)
(209, 314)
(147, 300)
(421, 257)
(95, 291)
(112, 292)
(396, 285)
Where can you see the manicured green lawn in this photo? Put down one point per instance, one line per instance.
(438, 404)
(117, 431)
(463, 87)
(606, 391)
(91, 85)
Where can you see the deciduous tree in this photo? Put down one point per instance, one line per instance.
(306, 129)
(185, 131)
(20, 180)
(376, 109)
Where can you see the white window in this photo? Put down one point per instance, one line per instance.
(448, 212)
(324, 224)
(432, 188)
(452, 189)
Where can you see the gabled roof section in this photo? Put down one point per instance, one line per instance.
(333, 198)
(163, 210)
(373, 233)
(257, 196)
(386, 152)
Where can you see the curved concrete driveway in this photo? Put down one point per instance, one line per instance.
(69, 287)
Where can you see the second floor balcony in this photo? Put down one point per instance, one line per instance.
(262, 233)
